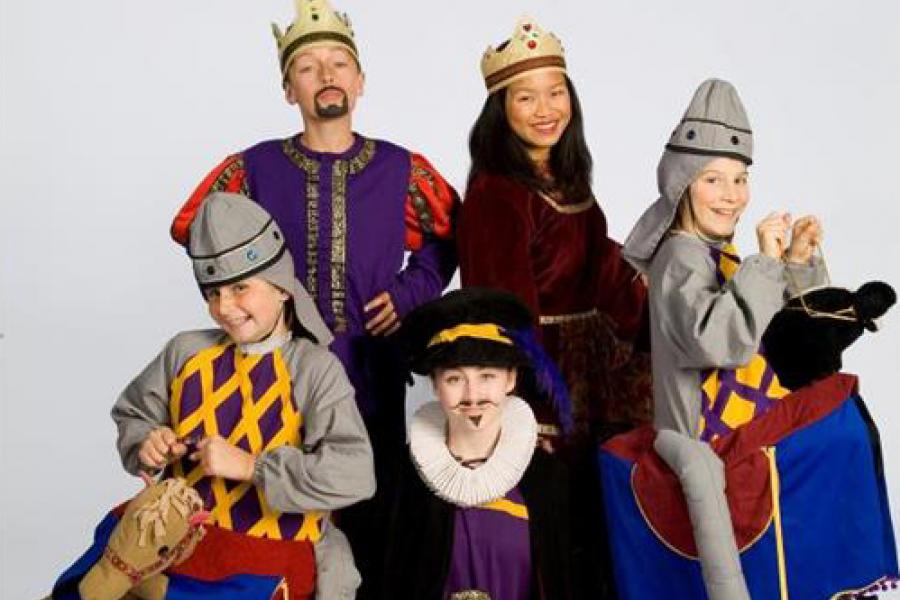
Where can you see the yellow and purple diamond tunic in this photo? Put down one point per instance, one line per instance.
(708, 312)
(248, 400)
(731, 397)
(289, 403)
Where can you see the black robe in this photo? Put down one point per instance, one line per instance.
(420, 539)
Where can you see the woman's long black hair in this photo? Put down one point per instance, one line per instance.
(496, 149)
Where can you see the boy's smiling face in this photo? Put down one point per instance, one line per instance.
(249, 310)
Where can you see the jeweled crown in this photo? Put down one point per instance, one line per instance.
(316, 24)
(529, 48)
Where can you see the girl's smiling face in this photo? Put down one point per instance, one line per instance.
(717, 197)
(538, 110)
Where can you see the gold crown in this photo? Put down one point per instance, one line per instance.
(316, 24)
(529, 48)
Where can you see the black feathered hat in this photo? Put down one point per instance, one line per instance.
(483, 327)
(466, 327)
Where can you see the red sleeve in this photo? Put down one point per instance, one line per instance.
(430, 204)
(229, 176)
(494, 238)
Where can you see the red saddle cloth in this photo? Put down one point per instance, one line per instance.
(223, 553)
(748, 491)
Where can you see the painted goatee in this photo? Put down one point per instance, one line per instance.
(476, 421)
(332, 111)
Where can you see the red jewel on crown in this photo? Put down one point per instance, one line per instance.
(532, 44)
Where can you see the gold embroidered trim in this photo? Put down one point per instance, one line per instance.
(339, 245)
(420, 204)
(470, 595)
(362, 160)
(221, 182)
(338, 269)
(567, 318)
(339, 173)
(547, 430)
(311, 168)
(567, 209)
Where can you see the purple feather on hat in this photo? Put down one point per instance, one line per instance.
(547, 377)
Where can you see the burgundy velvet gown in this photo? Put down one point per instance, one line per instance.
(591, 305)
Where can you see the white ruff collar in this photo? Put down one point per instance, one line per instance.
(460, 485)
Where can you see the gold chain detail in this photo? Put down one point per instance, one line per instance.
(567, 318)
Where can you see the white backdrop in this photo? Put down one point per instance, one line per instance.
(111, 111)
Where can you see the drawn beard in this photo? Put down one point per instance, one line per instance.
(332, 111)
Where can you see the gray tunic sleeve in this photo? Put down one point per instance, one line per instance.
(144, 405)
(804, 276)
(334, 467)
(709, 325)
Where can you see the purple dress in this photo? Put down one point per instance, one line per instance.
(492, 550)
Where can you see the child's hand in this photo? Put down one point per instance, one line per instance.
(805, 236)
(218, 458)
(160, 447)
(385, 321)
(771, 233)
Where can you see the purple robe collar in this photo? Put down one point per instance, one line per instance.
(348, 154)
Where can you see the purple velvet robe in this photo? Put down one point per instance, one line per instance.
(343, 217)
(491, 552)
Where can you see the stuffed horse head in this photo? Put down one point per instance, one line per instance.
(805, 340)
(159, 528)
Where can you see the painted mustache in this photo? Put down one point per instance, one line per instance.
(475, 404)
(466, 405)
